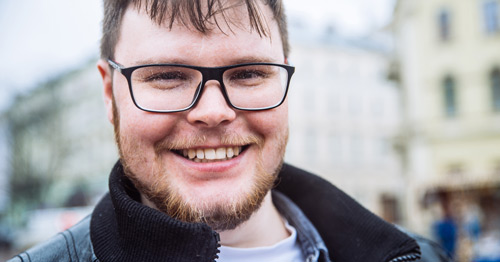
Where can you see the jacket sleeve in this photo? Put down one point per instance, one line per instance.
(431, 251)
(55, 249)
(70, 245)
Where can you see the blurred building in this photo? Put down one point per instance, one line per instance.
(447, 64)
(343, 116)
(60, 144)
(4, 166)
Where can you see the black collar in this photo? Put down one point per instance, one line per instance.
(122, 229)
(350, 232)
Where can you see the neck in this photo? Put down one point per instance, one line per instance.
(264, 228)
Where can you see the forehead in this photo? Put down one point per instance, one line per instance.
(229, 39)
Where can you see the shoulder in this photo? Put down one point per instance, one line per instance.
(70, 245)
(431, 251)
(337, 215)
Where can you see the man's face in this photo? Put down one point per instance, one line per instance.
(222, 193)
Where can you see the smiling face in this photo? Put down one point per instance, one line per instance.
(212, 163)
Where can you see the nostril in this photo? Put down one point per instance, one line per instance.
(211, 119)
(211, 109)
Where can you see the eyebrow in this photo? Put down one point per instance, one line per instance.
(252, 59)
(154, 61)
(240, 60)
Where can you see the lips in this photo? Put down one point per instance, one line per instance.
(205, 155)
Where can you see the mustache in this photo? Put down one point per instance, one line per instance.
(191, 141)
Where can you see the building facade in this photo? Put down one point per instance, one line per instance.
(343, 117)
(60, 143)
(447, 63)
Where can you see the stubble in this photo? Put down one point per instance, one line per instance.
(219, 215)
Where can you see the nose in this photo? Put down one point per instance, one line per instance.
(212, 108)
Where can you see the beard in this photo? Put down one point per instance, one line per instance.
(225, 214)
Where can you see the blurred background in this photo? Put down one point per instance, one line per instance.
(397, 102)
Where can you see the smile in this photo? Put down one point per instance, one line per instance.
(207, 155)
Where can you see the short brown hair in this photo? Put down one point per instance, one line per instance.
(189, 13)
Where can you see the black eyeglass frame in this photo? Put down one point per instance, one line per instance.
(208, 73)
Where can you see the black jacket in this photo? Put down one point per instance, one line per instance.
(122, 229)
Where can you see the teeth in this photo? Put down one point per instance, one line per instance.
(206, 155)
(220, 153)
(210, 154)
(230, 152)
(200, 153)
(191, 153)
(236, 150)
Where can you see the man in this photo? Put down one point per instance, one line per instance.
(196, 91)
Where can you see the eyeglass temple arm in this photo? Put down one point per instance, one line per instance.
(115, 65)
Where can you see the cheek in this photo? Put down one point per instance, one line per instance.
(144, 127)
(147, 128)
(271, 123)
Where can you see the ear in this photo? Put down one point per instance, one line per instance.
(107, 82)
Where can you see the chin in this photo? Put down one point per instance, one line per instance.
(222, 203)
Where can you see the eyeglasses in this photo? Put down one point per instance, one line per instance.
(168, 88)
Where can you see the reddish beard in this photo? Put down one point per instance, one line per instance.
(166, 198)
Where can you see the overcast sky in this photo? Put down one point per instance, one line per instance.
(41, 39)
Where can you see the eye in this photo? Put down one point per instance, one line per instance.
(247, 74)
(166, 76)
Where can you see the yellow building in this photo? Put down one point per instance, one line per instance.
(447, 63)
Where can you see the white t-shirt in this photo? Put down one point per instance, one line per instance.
(287, 250)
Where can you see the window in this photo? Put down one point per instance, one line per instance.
(497, 168)
(383, 146)
(455, 170)
(444, 25)
(354, 105)
(491, 20)
(449, 91)
(333, 101)
(334, 148)
(377, 106)
(390, 208)
(356, 149)
(495, 88)
(311, 149)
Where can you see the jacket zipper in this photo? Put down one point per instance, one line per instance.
(407, 258)
(217, 251)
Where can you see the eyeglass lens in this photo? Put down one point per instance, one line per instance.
(164, 88)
